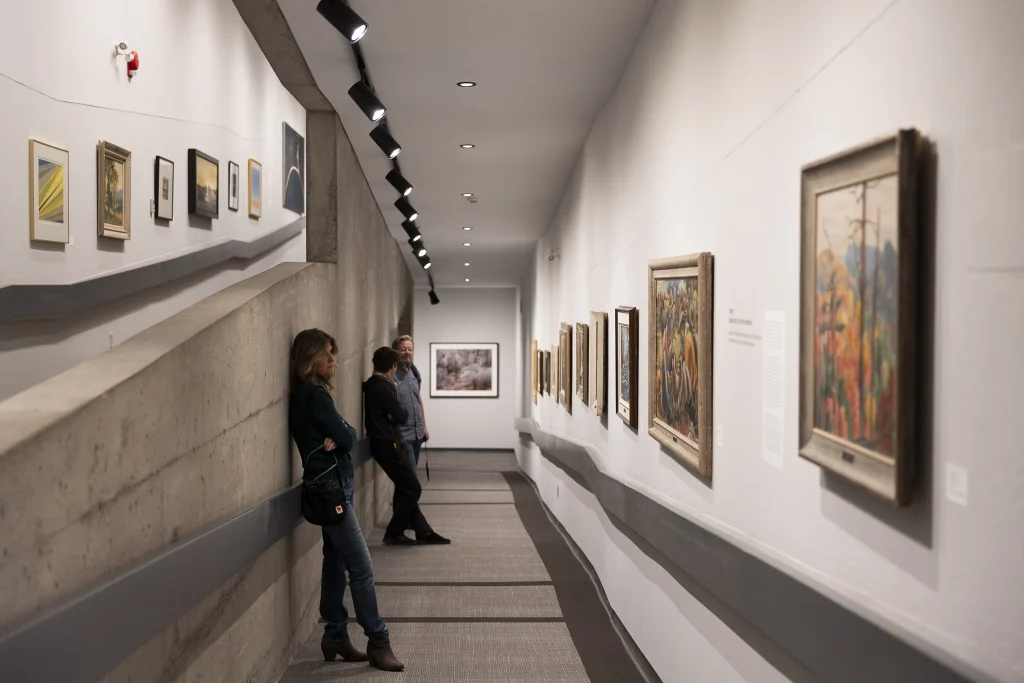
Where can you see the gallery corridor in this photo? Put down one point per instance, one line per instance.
(507, 601)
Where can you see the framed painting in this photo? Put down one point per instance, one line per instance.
(533, 370)
(627, 360)
(293, 171)
(598, 371)
(233, 186)
(203, 184)
(113, 191)
(163, 189)
(679, 350)
(547, 373)
(582, 362)
(255, 189)
(565, 369)
(49, 217)
(556, 372)
(859, 318)
(464, 370)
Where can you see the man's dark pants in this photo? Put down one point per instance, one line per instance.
(394, 460)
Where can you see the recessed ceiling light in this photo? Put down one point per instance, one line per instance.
(465, 84)
(466, 244)
(467, 146)
(467, 194)
(466, 263)
(467, 229)
(467, 279)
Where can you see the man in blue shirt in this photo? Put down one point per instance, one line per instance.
(414, 429)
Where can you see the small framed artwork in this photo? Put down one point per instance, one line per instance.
(113, 191)
(464, 370)
(547, 373)
(565, 368)
(539, 357)
(255, 189)
(627, 358)
(556, 373)
(679, 346)
(533, 370)
(598, 362)
(859, 318)
(232, 186)
(203, 184)
(49, 217)
(582, 360)
(294, 169)
(163, 189)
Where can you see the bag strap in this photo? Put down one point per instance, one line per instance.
(426, 458)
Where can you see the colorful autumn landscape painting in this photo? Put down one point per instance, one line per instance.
(856, 314)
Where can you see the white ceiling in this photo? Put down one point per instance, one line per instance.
(544, 69)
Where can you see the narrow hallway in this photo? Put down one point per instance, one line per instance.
(507, 601)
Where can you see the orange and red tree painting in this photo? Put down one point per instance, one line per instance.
(856, 314)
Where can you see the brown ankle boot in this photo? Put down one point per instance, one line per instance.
(384, 659)
(345, 648)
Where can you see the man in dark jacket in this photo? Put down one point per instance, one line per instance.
(383, 417)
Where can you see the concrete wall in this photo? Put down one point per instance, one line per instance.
(219, 95)
(700, 148)
(470, 315)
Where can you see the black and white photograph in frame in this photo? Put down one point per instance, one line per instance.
(233, 186)
(293, 171)
(163, 191)
(468, 370)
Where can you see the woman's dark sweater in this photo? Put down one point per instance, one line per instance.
(312, 418)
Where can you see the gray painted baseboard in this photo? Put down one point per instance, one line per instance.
(85, 638)
(806, 633)
(21, 302)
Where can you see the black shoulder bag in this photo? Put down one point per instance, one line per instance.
(323, 498)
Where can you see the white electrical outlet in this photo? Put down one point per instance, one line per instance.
(71, 240)
(110, 336)
(956, 484)
(719, 435)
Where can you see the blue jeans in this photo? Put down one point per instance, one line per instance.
(345, 551)
(413, 447)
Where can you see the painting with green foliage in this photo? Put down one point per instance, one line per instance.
(856, 314)
(676, 375)
(113, 192)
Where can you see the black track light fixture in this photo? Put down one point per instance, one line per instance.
(433, 298)
(367, 101)
(418, 247)
(343, 18)
(424, 261)
(387, 144)
(403, 205)
(399, 182)
(412, 231)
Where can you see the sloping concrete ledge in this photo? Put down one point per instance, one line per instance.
(26, 302)
(815, 630)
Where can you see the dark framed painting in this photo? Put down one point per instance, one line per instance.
(540, 372)
(233, 190)
(627, 360)
(48, 174)
(859, 317)
(582, 362)
(598, 362)
(547, 373)
(679, 356)
(533, 370)
(255, 189)
(163, 189)
(565, 369)
(114, 191)
(463, 370)
(293, 171)
(203, 184)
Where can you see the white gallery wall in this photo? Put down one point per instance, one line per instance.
(478, 315)
(203, 83)
(700, 149)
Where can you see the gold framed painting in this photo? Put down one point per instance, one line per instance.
(533, 370)
(679, 355)
(859, 318)
(113, 191)
(547, 373)
(565, 366)
(627, 361)
(598, 370)
(255, 189)
(49, 217)
(582, 361)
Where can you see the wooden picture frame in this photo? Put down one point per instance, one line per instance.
(547, 373)
(627, 362)
(533, 370)
(539, 359)
(554, 372)
(598, 370)
(860, 350)
(113, 191)
(203, 184)
(234, 191)
(582, 353)
(163, 189)
(565, 368)
(680, 345)
(464, 370)
(49, 170)
(255, 189)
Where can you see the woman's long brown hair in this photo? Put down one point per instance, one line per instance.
(307, 349)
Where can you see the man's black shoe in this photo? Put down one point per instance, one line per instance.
(398, 540)
(433, 539)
